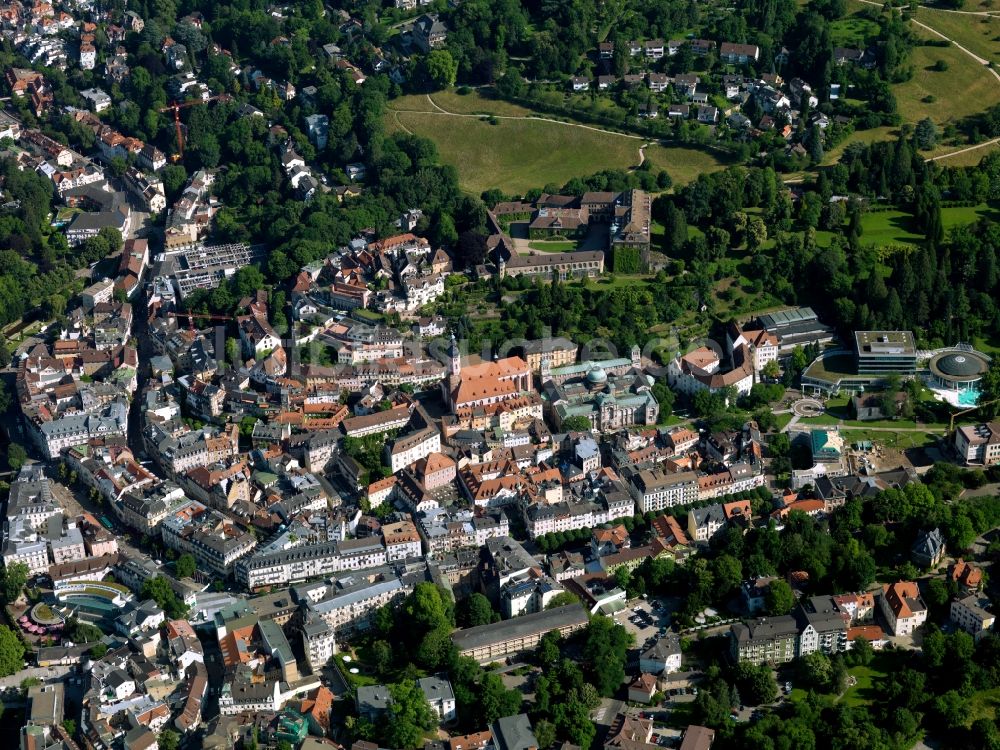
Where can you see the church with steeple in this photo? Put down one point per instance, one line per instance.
(485, 383)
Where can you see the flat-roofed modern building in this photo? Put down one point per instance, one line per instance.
(486, 643)
(979, 444)
(885, 352)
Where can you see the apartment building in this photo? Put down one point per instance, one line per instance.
(766, 640)
(970, 614)
(654, 491)
(496, 641)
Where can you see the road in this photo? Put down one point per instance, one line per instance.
(140, 332)
(46, 674)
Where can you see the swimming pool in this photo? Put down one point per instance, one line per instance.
(968, 397)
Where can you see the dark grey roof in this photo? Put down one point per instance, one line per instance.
(538, 622)
(960, 364)
(765, 629)
(514, 733)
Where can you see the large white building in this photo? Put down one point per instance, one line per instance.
(762, 345)
(979, 444)
(407, 449)
(309, 561)
(320, 643)
(701, 370)
(903, 608)
(214, 540)
(72, 429)
(971, 616)
(348, 604)
(655, 490)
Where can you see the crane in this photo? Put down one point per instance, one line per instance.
(176, 108)
(951, 422)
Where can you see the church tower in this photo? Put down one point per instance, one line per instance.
(454, 359)
(546, 369)
(636, 357)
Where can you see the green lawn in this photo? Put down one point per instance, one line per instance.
(955, 216)
(518, 154)
(895, 227)
(988, 347)
(822, 420)
(964, 159)
(964, 89)
(889, 228)
(683, 164)
(898, 440)
(671, 420)
(783, 419)
(553, 246)
(861, 693)
(476, 103)
(832, 156)
(833, 366)
(853, 31)
(978, 35)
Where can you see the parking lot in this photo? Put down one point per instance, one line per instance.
(646, 620)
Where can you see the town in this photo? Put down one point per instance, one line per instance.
(478, 375)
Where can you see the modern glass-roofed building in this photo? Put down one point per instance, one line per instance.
(885, 352)
(957, 370)
(796, 326)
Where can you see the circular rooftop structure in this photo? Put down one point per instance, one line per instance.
(597, 377)
(958, 369)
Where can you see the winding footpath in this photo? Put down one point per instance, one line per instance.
(977, 58)
(980, 60)
(439, 110)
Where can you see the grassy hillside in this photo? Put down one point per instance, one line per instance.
(964, 89)
(978, 34)
(523, 152)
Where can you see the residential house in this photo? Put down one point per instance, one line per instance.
(663, 657)
(697, 738)
(738, 54)
(770, 640)
(437, 690)
(929, 548)
(642, 688)
(703, 523)
(966, 574)
(429, 32)
(902, 607)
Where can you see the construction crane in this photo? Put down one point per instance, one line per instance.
(951, 422)
(176, 108)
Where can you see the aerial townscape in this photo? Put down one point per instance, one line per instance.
(499, 375)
